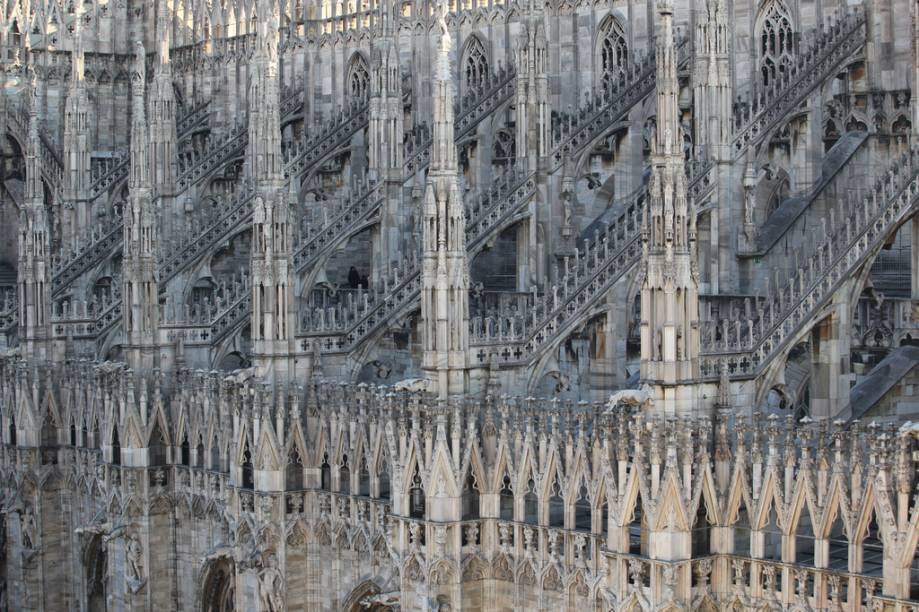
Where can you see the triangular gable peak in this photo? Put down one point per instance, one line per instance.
(801, 498)
(738, 496)
(159, 420)
(771, 496)
(706, 493)
(267, 455)
(836, 504)
(442, 476)
(670, 512)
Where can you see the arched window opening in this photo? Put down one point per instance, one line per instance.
(116, 447)
(358, 77)
(344, 476)
(96, 567)
(199, 453)
(48, 431)
(363, 479)
(556, 505)
(701, 532)
(220, 588)
(383, 486)
(475, 66)
(215, 455)
(470, 497)
(507, 499)
(73, 434)
(582, 517)
(157, 448)
(638, 537)
(504, 148)
(872, 549)
(776, 41)
(772, 537)
(326, 473)
(416, 497)
(742, 533)
(294, 470)
(531, 504)
(613, 52)
(248, 473)
(186, 450)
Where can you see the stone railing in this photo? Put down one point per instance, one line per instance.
(331, 136)
(515, 339)
(344, 326)
(87, 318)
(570, 134)
(494, 210)
(768, 584)
(111, 170)
(746, 347)
(221, 150)
(9, 312)
(208, 228)
(209, 321)
(586, 278)
(100, 244)
(52, 166)
(360, 209)
(200, 164)
(339, 329)
(470, 111)
(828, 51)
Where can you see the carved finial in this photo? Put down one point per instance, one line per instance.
(446, 41)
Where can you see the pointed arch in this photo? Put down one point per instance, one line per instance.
(475, 65)
(612, 52)
(775, 36)
(358, 77)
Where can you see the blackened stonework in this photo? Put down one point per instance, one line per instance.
(484, 305)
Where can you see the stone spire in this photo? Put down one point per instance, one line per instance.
(386, 112)
(273, 309)
(140, 295)
(385, 152)
(162, 107)
(34, 282)
(532, 108)
(264, 158)
(712, 80)
(445, 274)
(77, 142)
(669, 294)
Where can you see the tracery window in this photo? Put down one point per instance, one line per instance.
(358, 77)
(776, 41)
(613, 51)
(475, 65)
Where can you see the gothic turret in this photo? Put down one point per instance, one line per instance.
(669, 293)
(263, 157)
(445, 276)
(163, 138)
(385, 131)
(712, 81)
(77, 144)
(271, 257)
(140, 296)
(386, 137)
(34, 252)
(532, 108)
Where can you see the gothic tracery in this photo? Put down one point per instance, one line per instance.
(776, 40)
(613, 53)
